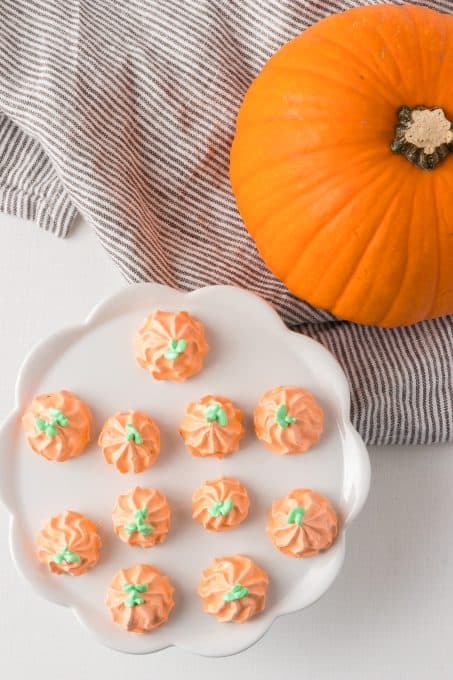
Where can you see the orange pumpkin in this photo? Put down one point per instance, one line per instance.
(341, 164)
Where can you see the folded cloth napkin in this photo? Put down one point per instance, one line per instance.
(124, 111)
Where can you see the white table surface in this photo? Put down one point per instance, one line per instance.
(389, 614)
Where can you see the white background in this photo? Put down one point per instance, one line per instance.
(390, 613)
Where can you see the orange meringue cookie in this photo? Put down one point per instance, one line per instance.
(212, 426)
(69, 543)
(140, 598)
(57, 425)
(233, 588)
(288, 420)
(141, 517)
(302, 523)
(130, 440)
(171, 345)
(220, 504)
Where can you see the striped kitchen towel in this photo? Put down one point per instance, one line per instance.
(124, 111)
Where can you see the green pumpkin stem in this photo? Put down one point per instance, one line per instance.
(216, 414)
(57, 417)
(296, 515)
(237, 592)
(221, 508)
(175, 348)
(134, 589)
(139, 526)
(132, 434)
(283, 418)
(66, 556)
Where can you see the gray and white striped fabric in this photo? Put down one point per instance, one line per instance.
(124, 111)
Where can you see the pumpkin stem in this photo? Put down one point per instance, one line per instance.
(423, 135)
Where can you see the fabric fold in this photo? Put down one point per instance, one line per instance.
(29, 185)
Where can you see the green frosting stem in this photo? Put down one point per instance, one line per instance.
(134, 589)
(66, 556)
(221, 508)
(216, 414)
(283, 418)
(175, 348)
(57, 417)
(132, 434)
(140, 526)
(296, 515)
(237, 592)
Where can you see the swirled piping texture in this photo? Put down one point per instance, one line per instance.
(158, 515)
(158, 599)
(71, 439)
(204, 438)
(70, 530)
(153, 339)
(317, 530)
(125, 455)
(218, 491)
(221, 576)
(300, 435)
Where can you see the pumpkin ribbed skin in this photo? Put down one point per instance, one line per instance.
(344, 222)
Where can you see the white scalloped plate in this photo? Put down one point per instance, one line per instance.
(251, 351)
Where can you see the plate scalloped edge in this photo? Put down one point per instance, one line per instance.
(356, 479)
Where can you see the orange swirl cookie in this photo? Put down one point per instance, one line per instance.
(212, 426)
(288, 420)
(130, 440)
(233, 588)
(57, 425)
(69, 543)
(171, 345)
(141, 517)
(220, 504)
(140, 598)
(302, 523)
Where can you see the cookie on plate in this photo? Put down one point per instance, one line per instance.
(69, 543)
(288, 420)
(141, 517)
(171, 345)
(57, 425)
(130, 440)
(140, 598)
(220, 504)
(212, 427)
(233, 589)
(302, 523)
